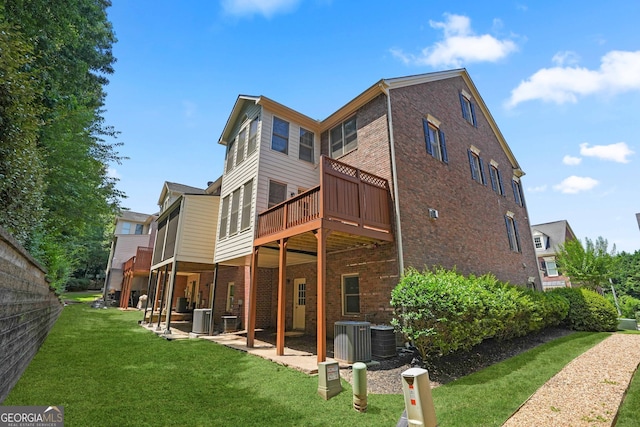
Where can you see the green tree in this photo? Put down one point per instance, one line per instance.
(67, 45)
(590, 265)
(626, 277)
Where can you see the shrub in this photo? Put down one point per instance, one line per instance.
(75, 284)
(588, 310)
(441, 311)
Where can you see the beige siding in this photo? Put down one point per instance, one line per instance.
(199, 219)
(126, 247)
(284, 168)
(241, 243)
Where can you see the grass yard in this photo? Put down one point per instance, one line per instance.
(106, 370)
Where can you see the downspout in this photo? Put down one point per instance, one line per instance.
(213, 297)
(394, 175)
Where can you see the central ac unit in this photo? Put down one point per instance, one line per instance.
(352, 341)
(201, 320)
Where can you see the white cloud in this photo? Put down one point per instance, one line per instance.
(571, 161)
(460, 45)
(266, 8)
(575, 184)
(619, 72)
(615, 152)
(538, 189)
(566, 57)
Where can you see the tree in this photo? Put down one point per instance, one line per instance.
(590, 265)
(627, 276)
(61, 145)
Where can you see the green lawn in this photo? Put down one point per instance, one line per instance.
(106, 370)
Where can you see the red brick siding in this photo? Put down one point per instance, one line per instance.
(470, 233)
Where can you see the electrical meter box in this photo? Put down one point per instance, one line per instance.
(329, 379)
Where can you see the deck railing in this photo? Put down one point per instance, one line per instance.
(141, 261)
(346, 194)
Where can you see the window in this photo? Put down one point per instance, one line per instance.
(306, 145)
(343, 138)
(280, 136)
(230, 295)
(434, 140)
(512, 232)
(517, 191)
(235, 205)
(230, 155)
(551, 266)
(242, 137)
(277, 193)
(253, 136)
(351, 294)
(245, 222)
(224, 217)
(139, 228)
(126, 227)
(496, 179)
(477, 168)
(537, 241)
(468, 109)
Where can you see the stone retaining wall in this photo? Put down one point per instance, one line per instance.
(28, 310)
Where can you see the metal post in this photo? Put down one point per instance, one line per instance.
(146, 303)
(164, 287)
(172, 284)
(213, 297)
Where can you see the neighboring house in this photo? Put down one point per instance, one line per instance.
(182, 270)
(546, 239)
(133, 237)
(321, 217)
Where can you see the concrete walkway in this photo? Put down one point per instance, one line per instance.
(300, 360)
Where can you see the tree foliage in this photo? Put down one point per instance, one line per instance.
(56, 145)
(626, 277)
(590, 265)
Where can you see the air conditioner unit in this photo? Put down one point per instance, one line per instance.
(201, 320)
(352, 341)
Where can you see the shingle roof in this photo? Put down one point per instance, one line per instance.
(184, 189)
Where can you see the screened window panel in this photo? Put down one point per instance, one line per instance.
(277, 193)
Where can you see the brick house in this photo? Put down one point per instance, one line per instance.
(546, 239)
(413, 172)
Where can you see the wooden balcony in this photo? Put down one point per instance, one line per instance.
(141, 262)
(348, 201)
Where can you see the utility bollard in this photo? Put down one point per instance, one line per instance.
(417, 398)
(360, 387)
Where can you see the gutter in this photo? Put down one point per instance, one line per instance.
(394, 174)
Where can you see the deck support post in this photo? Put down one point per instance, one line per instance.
(321, 235)
(282, 279)
(253, 291)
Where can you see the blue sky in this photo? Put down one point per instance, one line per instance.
(561, 79)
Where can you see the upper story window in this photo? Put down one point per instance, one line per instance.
(537, 241)
(512, 232)
(235, 207)
(224, 217)
(126, 227)
(306, 145)
(434, 139)
(230, 152)
(468, 108)
(551, 266)
(253, 136)
(139, 228)
(245, 222)
(277, 193)
(280, 136)
(476, 165)
(496, 178)
(517, 191)
(242, 138)
(343, 138)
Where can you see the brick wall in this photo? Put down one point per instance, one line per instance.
(28, 307)
(470, 233)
